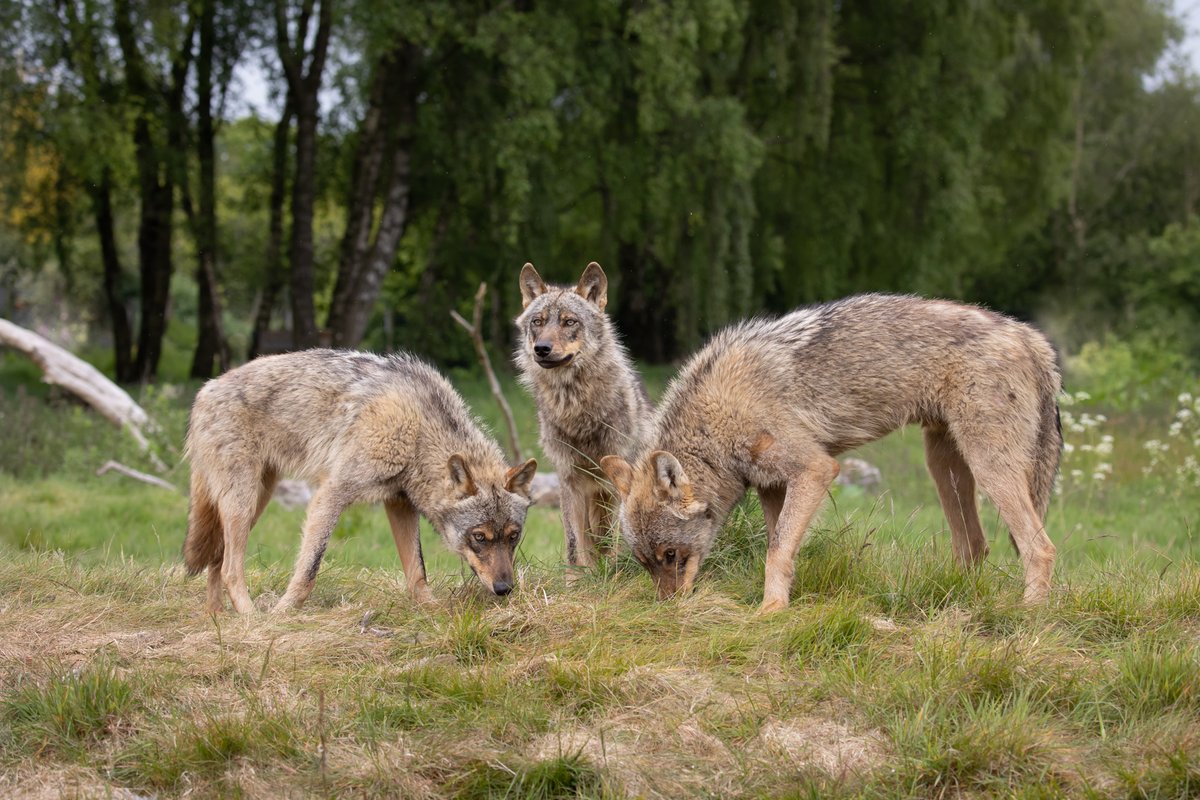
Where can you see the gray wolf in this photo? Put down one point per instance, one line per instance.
(590, 400)
(769, 403)
(368, 428)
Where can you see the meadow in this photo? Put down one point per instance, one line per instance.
(893, 674)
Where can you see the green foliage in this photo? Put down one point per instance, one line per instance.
(719, 157)
(559, 778)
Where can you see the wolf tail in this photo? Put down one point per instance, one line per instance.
(1048, 448)
(205, 543)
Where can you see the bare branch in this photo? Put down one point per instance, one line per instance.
(475, 330)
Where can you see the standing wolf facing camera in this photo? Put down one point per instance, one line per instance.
(590, 400)
(768, 403)
(368, 428)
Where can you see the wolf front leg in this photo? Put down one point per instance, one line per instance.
(406, 531)
(323, 511)
(581, 552)
(803, 497)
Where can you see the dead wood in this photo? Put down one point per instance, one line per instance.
(62, 368)
(475, 330)
(130, 472)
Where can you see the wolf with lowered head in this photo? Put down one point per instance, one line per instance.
(769, 403)
(367, 428)
(590, 400)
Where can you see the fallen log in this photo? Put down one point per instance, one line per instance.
(62, 368)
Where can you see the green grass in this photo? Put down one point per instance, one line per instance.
(893, 674)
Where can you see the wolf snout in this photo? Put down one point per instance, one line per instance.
(502, 587)
(542, 350)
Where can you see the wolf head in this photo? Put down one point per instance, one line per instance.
(561, 327)
(668, 528)
(483, 523)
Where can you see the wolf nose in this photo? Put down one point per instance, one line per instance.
(502, 587)
(542, 350)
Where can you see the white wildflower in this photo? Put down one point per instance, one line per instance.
(1076, 474)
(1184, 414)
(1185, 398)
(1076, 427)
(1068, 448)
(1082, 397)
(1175, 429)
(1085, 448)
(1104, 467)
(1098, 477)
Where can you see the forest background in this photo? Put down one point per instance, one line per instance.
(719, 158)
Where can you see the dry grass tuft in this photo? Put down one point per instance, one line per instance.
(826, 744)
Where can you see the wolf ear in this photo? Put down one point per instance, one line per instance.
(518, 479)
(619, 472)
(673, 484)
(532, 285)
(460, 476)
(593, 286)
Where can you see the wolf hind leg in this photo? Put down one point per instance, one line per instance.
(216, 582)
(771, 499)
(405, 524)
(956, 490)
(238, 505)
(326, 507)
(1002, 473)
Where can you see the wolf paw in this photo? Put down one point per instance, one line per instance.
(771, 606)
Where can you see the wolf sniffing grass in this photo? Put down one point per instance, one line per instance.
(369, 428)
(769, 404)
(590, 400)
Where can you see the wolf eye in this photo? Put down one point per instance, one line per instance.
(537, 323)
(478, 536)
(569, 323)
(512, 537)
(669, 556)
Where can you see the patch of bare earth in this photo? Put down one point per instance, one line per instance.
(828, 745)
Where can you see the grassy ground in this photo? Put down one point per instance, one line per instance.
(893, 673)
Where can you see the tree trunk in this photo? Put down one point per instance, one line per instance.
(119, 317)
(387, 241)
(368, 158)
(647, 322)
(157, 194)
(304, 86)
(365, 264)
(158, 167)
(304, 317)
(274, 262)
(210, 342)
